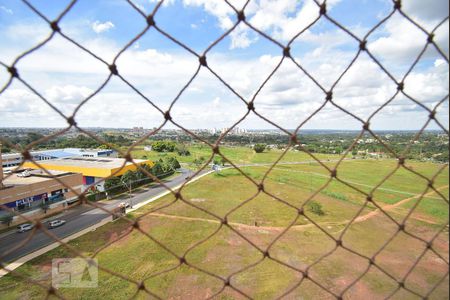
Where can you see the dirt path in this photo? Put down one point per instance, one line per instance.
(238, 225)
(392, 206)
(359, 219)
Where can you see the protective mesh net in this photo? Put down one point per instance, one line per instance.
(265, 253)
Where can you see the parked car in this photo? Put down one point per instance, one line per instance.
(56, 223)
(24, 227)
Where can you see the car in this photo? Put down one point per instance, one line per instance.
(56, 223)
(24, 227)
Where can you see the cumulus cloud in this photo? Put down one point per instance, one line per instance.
(65, 75)
(430, 10)
(100, 27)
(240, 38)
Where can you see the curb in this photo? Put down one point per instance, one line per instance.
(14, 265)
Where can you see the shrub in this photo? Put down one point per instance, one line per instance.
(7, 219)
(183, 151)
(316, 208)
(259, 148)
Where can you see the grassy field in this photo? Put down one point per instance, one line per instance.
(238, 155)
(260, 219)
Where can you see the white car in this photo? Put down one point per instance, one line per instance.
(24, 227)
(56, 223)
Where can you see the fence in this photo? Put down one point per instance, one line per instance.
(251, 105)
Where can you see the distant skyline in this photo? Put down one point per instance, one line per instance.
(159, 68)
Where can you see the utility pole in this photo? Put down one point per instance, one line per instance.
(131, 198)
(1, 167)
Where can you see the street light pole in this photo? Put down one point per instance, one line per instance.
(131, 198)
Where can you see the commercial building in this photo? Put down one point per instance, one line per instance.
(34, 193)
(14, 159)
(94, 170)
(28, 190)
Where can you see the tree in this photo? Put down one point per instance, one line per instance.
(223, 161)
(259, 148)
(7, 219)
(112, 183)
(199, 161)
(142, 172)
(128, 178)
(157, 169)
(173, 163)
(164, 146)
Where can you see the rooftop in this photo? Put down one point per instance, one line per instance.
(60, 153)
(36, 176)
(90, 166)
(91, 162)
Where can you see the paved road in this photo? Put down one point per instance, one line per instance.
(77, 218)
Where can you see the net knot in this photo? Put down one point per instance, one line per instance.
(202, 60)
(167, 116)
(71, 121)
(363, 45)
(323, 9)
(241, 16)
(287, 51)
(54, 26)
(26, 155)
(13, 71)
(113, 69)
(333, 173)
(432, 115)
(151, 21)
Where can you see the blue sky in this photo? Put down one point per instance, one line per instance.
(159, 68)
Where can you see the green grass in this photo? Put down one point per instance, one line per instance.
(138, 257)
(238, 155)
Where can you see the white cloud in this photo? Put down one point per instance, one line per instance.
(99, 27)
(165, 3)
(6, 10)
(67, 94)
(240, 37)
(216, 102)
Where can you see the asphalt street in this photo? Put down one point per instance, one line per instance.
(15, 245)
